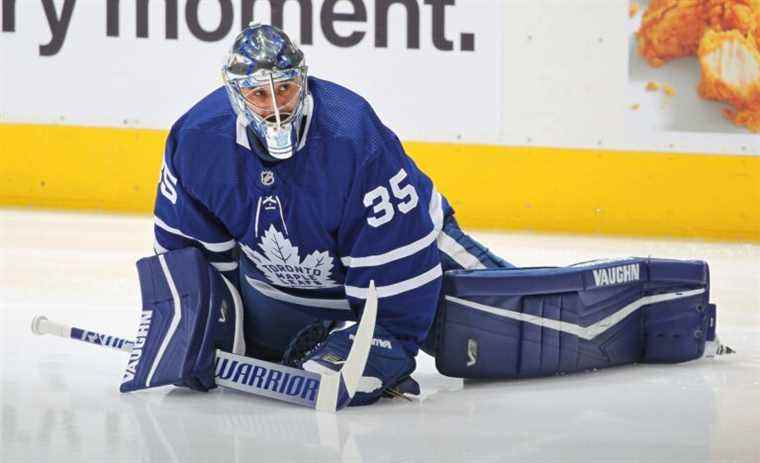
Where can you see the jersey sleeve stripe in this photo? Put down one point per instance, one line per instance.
(457, 252)
(390, 256)
(436, 215)
(225, 266)
(213, 247)
(436, 210)
(397, 288)
(274, 293)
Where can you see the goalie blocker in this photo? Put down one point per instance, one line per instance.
(512, 323)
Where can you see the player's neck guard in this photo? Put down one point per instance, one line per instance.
(280, 141)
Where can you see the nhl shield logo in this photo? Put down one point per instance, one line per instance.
(267, 177)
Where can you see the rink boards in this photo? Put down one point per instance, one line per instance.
(497, 187)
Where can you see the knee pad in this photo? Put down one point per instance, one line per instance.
(511, 323)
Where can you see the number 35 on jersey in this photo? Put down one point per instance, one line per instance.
(383, 209)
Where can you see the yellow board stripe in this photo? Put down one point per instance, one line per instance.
(81, 168)
(595, 191)
(497, 187)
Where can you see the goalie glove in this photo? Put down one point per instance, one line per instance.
(388, 369)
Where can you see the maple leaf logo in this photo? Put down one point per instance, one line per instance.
(281, 263)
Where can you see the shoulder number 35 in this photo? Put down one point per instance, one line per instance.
(380, 200)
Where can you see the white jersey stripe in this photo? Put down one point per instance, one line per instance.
(225, 266)
(457, 252)
(221, 266)
(436, 215)
(397, 288)
(390, 256)
(213, 247)
(274, 293)
(436, 209)
(583, 332)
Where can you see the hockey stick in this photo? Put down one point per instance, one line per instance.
(321, 391)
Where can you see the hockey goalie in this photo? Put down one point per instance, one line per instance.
(282, 196)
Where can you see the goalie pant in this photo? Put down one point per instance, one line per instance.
(512, 323)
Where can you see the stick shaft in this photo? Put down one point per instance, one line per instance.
(41, 325)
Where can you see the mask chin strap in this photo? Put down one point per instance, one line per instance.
(274, 102)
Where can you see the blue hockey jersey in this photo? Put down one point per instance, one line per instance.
(349, 207)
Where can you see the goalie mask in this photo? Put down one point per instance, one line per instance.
(265, 77)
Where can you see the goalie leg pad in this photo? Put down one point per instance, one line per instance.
(189, 310)
(511, 323)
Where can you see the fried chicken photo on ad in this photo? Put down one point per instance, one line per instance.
(723, 35)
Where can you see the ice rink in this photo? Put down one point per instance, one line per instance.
(60, 399)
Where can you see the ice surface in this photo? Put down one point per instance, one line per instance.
(60, 399)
